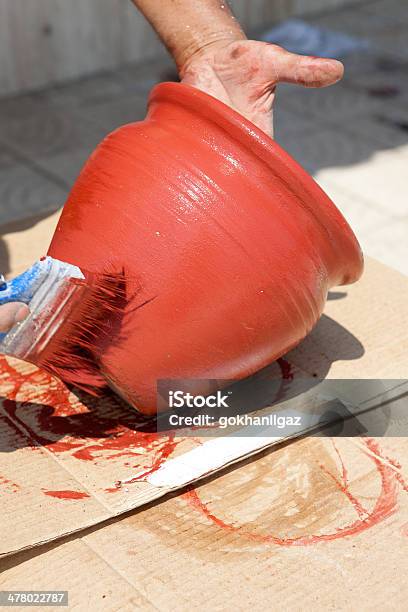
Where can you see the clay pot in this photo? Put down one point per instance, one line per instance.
(228, 245)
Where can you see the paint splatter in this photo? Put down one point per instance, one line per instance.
(67, 494)
(285, 368)
(53, 417)
(8, 485)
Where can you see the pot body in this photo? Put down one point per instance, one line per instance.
(228, 246)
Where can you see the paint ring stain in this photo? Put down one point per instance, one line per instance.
(385, 506)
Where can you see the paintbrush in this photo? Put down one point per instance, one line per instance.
(69, 315)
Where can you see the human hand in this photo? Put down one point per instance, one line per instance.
(244, 74)
(12, 313)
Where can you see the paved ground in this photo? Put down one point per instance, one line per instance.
(353, 137)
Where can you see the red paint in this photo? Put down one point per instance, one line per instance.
(8, 485)
(385, 506)
(404, 530)
(227, 246)
(166, 452)
(43, 408)
(398, 476)
(67, 494)
(285, 368)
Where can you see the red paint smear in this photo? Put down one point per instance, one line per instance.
(285, 368)
(344, 485)
(166, 451)
(57, 418)
(385, 506)
(399, 477)
(9, 484)
(404, 530)
(67, 494)
(127, 441)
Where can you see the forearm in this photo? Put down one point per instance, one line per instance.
(187, 27)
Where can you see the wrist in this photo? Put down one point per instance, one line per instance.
(204, 44)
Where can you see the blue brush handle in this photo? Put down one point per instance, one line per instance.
(23, 287)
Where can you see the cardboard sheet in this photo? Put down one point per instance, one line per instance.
(316, 503)
(228, 544)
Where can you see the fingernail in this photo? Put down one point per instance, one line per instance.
(21, 314)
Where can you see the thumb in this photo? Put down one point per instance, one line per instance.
(303, 70)
(12, 313)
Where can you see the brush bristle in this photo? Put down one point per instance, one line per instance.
(72, 354)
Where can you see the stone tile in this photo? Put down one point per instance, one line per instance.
(66, 165)
(90, 90)
(111, 115)
(22, 106)
(362, 215)
(371, 63)
(322, 147)
(297, 144)
(48, 132)
(382, 131)
(397, 8)
(390, 84)
(366, 20)
(288, 126)
(394, 41)
(352, 21)
(389, 244)
(395, 114)
(387, 11)
(334, 104)
(380, 179)
(7, 160)
(140, 78)
(24, 193)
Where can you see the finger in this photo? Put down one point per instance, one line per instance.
(303, 70)
(12, 313)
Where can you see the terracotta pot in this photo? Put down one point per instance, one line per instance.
(229, 246)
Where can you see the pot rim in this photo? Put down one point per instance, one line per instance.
(269, 152)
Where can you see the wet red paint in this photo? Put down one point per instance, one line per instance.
(57, 417)
(385, 506)
(166, 451)
(42, 407)
(285, 368)
(67, 494)
(195, 218)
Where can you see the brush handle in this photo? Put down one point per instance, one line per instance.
(23, 287)
(37, 287)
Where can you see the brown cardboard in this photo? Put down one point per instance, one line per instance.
(176, 557)
(316, 520)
